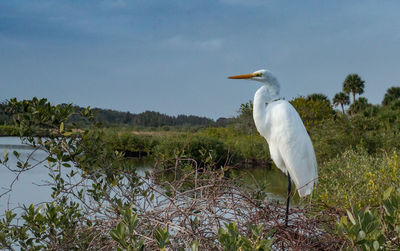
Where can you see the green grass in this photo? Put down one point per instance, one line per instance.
(223, 145)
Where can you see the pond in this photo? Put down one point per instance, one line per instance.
(28, 188)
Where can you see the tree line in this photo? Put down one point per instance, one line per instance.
(110, 117)
(149, 119)
(354, 84)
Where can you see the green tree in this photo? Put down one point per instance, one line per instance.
(318, 96)
(244, 120)
(392, 94)
(312, 112)
(354, 84)
(341, 99)
(360, 105)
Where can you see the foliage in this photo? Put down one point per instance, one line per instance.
(56, 224)
(124, 232)
(312, 111)
(105, 188)
(375, 129)
(374, 229)
(7, 130)
(319, 96)
(231, 239)
(358, 167)
(198, 147)
(37, 116)
(362, 185)
(361, 104)
(357, 178)
(392, 94)
(4, 117)
(109, 117)
(354, 84)
(244, 121)
(162, 238)
(224, 145)
(127, 141)
(362, 228)
(341, 99)
(148, 119)
(241, 146)
(391, 214)
(62, 223)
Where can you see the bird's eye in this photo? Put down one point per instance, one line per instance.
(258, 74)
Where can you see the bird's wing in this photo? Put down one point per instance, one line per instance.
(290, 140)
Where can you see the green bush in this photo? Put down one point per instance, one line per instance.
(312, 111)
(374, 229)
(363, 229)
(356, 178)
(7, 130)
(333, 136)
(242, 146)
(231, 239)
(197, 147)
(127, 141)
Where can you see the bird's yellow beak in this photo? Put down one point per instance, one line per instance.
(243, 76)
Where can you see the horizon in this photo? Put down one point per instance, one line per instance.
(173, 57)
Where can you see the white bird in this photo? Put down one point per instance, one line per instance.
(289, 143)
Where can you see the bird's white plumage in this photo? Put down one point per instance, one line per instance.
(280, 124)
(289, 144)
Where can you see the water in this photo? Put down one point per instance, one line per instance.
(24, 190)
(27, 188)
(274, 180)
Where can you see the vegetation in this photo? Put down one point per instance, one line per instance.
(361, 104)
(341, 99)
(354, 84)
(100, 204)
(312, 111)
(244, 121)
(7, 130)
(391, 95)
(3, 116)
(356, 205)
(147, 119)
(318, 96)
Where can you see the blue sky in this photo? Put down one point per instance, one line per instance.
(174, 56)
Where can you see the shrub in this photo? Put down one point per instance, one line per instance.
(356, 178)
(7, 130)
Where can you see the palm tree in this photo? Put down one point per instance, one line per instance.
(319, 96)
(342, 99)
(360, 105)
(354, 84)
(392, 94)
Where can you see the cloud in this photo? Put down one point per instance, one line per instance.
(181, 42)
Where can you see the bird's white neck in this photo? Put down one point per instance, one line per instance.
(264, 95)
(267, 93)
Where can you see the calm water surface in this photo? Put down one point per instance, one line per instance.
(27, 190)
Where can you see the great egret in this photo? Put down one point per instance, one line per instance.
(289, 143)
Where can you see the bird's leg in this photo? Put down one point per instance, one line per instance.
(289, 188)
